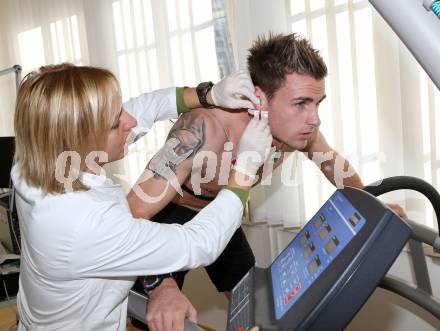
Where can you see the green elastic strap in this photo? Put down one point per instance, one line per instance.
(180, 102)
(276, 155)
(242, 194)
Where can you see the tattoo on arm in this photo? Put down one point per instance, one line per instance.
(184, 140)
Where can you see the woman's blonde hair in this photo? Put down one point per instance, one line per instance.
(62, 108)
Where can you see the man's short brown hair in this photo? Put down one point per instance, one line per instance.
(271, 58)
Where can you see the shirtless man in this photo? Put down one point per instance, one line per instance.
(289, 78)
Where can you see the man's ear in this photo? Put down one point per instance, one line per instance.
(263, 99)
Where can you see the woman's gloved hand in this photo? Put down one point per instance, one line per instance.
(235, 91)
(254, 147)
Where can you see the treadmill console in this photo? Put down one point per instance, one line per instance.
(310, 253)
(328, 270)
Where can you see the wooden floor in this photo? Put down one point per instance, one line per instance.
(8, 315)
(8, 319)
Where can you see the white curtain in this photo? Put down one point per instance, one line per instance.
(382, 112)
(148, 44)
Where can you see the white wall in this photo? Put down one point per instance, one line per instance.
(255, 17)
(7, 84)
(211, 306)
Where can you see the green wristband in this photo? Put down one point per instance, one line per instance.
(242, 194)
(180, 102)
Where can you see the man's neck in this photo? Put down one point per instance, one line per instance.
(277, 143)
(234, 122)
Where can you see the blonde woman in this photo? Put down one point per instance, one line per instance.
(81, 246)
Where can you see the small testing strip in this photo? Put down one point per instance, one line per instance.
(259, 113)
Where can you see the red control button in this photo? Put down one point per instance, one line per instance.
(292, 293)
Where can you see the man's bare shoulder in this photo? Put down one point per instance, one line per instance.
(200, 130)
(190, 135)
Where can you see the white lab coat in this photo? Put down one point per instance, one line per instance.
(81, 251)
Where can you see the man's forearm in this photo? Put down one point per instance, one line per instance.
(333, 165)
(340, 172)
(354, 180)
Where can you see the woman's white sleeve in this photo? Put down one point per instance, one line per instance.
(152, 107)
(113, 244)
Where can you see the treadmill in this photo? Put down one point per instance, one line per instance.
(329, 270)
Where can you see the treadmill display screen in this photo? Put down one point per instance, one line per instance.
(312, 250)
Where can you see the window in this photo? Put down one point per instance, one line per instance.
(342, 32)
(167, 43)
(383, 131)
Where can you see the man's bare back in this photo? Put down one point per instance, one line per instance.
(202, 132)
(226, 133)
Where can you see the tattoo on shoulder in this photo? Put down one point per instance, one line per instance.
(190, 131)
(184, 140)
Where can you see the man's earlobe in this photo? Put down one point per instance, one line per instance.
(263, 99)
(258, 91)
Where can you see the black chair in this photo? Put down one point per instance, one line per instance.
(7, 148)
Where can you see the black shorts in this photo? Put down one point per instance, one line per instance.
(232, 264)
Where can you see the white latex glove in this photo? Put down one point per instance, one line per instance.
(254, 147)
(229, 91)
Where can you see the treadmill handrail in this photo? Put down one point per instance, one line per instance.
(409, 183)
(420, 233)
(416, 295)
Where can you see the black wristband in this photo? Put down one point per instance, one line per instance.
(202, 92)
(151, 282)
